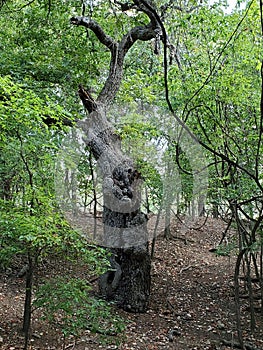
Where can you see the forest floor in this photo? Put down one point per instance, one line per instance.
(191, 305)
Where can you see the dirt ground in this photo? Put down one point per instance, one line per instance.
(191, 305)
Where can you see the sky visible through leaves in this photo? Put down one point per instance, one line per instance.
(231, 4)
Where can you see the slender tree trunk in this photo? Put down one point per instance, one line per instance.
(167, 229)
(261, 276)
(28, 301)
(237, 298)
(155, 232)
(250, 292)
(94, 199)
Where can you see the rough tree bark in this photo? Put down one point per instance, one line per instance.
(125, 231)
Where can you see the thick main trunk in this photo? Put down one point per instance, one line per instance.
(125, 231)
(133, 291)
(125, 226)
(128, 282)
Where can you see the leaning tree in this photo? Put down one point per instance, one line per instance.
(125, 229)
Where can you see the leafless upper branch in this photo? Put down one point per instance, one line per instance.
(96, 28)
(143, 33)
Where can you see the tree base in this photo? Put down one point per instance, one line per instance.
(129, 281)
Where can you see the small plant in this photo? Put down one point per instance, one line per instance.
(69, 305)
(226, 250)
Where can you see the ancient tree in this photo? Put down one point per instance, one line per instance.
(125, 231)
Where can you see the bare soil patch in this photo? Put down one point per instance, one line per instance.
(191, 305)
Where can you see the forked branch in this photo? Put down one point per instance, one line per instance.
(119, 49)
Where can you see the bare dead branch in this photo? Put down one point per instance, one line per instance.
(143, 33)
(87, 99)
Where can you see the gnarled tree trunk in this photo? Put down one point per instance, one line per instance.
(125, 231)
